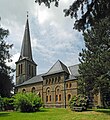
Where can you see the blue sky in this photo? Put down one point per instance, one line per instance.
(52, 34)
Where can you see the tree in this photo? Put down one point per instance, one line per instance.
(95, 64)
(6, 84)
(86, 12)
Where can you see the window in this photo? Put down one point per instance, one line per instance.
(70, 85)
(29, 69)
(23, 91)
(69, 97)
(50, 98)
(60, 97)
(48, 91)
(55, 79)
(46, 81)
(56, 98)
(59, 78)
(49, 81)
(21, 68)
(58, 94)
(46, 98)
(33, 90)
(57, 90)
(32, 71)
(48, 95)
(67, 85)
(52, 80)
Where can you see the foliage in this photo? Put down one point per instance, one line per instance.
(27, 102)
(79, 101)
(86, 12)
(47, 2)
(8, 104)
(1, 103)
(95, 64)
(6, 84)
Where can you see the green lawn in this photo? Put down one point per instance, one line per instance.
(57, 114)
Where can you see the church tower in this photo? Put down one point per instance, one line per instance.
(25, 66)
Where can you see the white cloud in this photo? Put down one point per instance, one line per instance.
(52, 35)
(14, 59)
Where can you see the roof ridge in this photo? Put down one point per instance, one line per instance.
(58, 66)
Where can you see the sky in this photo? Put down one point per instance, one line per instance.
(52, 34)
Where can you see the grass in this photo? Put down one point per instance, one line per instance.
(57, 114)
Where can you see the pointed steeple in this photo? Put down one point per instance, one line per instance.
(26, 51)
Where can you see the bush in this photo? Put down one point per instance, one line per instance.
(27, 102)
(8, 104)
(1, 103)
(79, 101)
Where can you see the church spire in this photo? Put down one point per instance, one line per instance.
(26, 51)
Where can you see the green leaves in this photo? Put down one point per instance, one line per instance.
(95, 64)
(27, 102)
(79, 101)
(47, 2)
(6, 84)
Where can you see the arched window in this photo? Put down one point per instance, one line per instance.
(48, 95)
(23, 91)
(46, 81)
(70, 85)
(52, 80)
(56, 98)
(33, 90)
(29, 69)
(46, 98)
(49, 81)
(59, 78)
(66, 85)
(58, 94)
(19, 69)
(32, 71)
(60, 97)
(55, 79)
(50, 98)
(69, 97)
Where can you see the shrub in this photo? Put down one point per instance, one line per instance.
(79, 101)
(8, 103)
(27, 102)
(1, 103)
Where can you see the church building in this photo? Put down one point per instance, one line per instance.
(56, 87)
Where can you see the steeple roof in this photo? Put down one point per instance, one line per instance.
(26, 51)
(58, 67)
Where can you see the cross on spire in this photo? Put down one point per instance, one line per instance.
(27, 14)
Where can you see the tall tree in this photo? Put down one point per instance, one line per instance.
(84, 11)
(6, 84)
(95, 64)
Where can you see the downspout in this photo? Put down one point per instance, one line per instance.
(64, 92)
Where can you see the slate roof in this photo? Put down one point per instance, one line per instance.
(57, 67)
(33, 80)
(71, 77)
(26, 51)
(74, 70)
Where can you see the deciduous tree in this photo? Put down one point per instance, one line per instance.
(86, 12)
